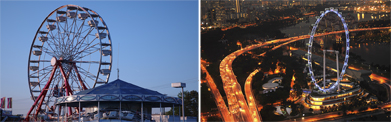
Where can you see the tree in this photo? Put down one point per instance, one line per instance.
(191, 104)
(267, 113)
(298, 90)
(295, 110)
(344, 108)
(214, 119)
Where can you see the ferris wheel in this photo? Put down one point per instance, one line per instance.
(310, 45)
(71, 52)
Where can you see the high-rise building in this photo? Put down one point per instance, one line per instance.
(237, 6)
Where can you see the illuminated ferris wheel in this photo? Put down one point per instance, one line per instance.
(71, 52)
(310, 45)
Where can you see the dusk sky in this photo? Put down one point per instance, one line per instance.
(158, 43)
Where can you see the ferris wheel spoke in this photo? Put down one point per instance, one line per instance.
(86, 34)
(82, 80)
(72, 31)
(77, 35)
(44, 73)
(59, 29)
(53, 40)
(95, 62)
(52, 37)
(44, 80)
(87, 30)
(80, 57)
(49, 52)
(58, 80)
(43, 69)
(70, 27)
(88, 74)
(85, 83)
(49, 94)
(79, 42)
(56, 45)
(85, 46)
(63, 32)
(75, 79)
(87, 49)
(66, 31)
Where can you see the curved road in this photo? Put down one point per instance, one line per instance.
(216, 93)
(250, 98)
(236, 101)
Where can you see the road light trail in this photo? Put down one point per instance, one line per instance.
(232, 88)
(216, 93)
(231, 85)
(250, 97)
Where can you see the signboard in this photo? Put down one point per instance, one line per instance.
(178, 85)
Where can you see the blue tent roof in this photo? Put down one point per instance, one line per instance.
(119, 87)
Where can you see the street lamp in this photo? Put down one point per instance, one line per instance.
(181, 85)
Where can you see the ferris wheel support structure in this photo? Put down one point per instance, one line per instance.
(40, 99)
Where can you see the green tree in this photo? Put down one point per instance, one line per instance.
(191, 104)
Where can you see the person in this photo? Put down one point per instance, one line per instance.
(62, 93)
(55, 91)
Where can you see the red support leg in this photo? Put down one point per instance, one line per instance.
(81, 82)
(40, 103)
(67, 77)
(43, 93)
(78, 76)
(59, 111)
(67, 87)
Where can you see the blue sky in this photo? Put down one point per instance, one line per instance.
(158, 43)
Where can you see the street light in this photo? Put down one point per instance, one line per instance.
(181, 85)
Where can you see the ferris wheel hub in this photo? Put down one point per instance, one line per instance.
(53, 61)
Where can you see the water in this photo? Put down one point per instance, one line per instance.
(378, 53)
(303, 28)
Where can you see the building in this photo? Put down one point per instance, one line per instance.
(117, 100)
(349, 92)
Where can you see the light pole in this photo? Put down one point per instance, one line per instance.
(181, 85)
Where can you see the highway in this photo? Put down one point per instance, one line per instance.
(216, 93)
(236, 101)
(250, 98)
